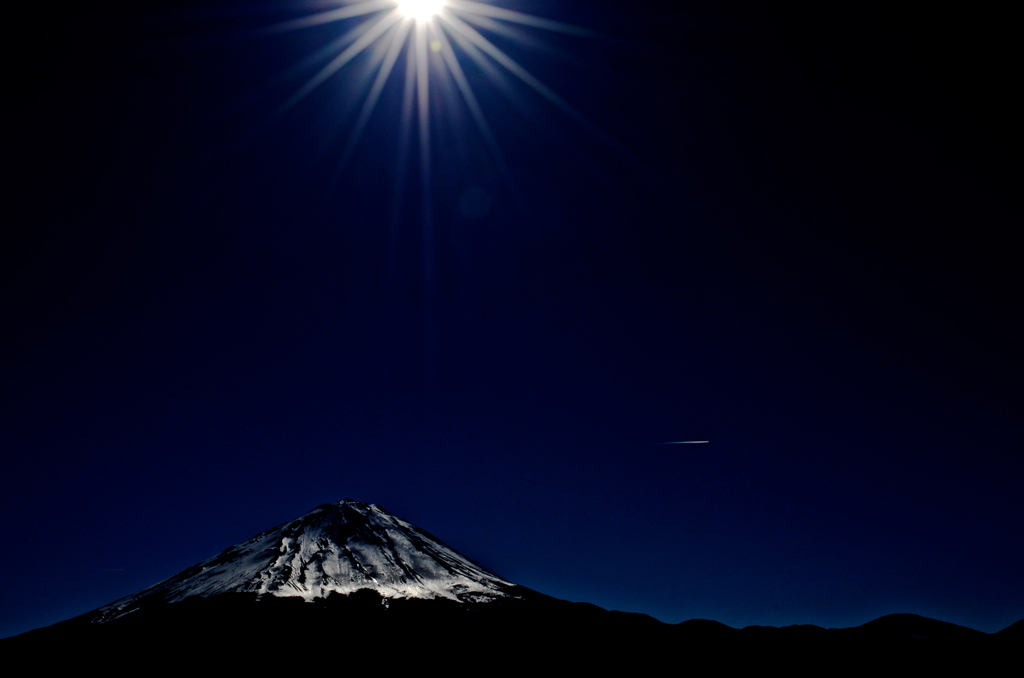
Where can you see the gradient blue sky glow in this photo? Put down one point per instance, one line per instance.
(480, 269)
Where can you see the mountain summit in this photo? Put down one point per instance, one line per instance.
(387, 596)
(335, 548)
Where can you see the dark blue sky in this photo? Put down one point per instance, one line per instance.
(784, 230)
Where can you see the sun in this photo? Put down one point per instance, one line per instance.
(422, 48)
(420, 10)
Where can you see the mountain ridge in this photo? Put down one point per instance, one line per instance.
(341, 548)
(351, 575)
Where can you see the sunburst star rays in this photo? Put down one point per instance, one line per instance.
(438, 36)
(431, 72)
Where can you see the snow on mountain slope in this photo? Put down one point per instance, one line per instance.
(335, 548)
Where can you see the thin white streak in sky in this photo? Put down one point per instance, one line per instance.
(398, 39)
(332, 15)
(511, 66)
(467, 94)
(364, 41)
(483, 44)
(484, 9)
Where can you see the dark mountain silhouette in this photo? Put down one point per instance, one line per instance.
(350, 587)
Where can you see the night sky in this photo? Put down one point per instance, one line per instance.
(787, 230)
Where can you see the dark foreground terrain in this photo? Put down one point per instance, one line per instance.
(237, 632)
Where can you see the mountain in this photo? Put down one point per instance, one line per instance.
(352, 586)
(341, 549)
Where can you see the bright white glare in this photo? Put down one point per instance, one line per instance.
(435, 37)
(420, 10)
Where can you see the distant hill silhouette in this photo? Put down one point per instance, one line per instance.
(237, 628)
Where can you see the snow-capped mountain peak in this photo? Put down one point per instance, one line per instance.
(334, 549)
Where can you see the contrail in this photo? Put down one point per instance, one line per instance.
(686, 442)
